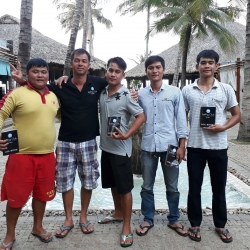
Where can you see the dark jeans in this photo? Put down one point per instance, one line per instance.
(217, 163)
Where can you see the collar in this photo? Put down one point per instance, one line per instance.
(87, 83)
(41, 95)
(120, 90)
(215, 85)
(45, 93)
(162, 88)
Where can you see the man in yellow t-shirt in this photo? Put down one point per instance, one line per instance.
(33, 109)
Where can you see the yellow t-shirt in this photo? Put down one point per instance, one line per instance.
(33, 116)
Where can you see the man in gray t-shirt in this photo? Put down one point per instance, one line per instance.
(116, 109)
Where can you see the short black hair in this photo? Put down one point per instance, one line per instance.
(79, 52)
(37, 62)
(119, 61)
(153, 59)
(208, 53)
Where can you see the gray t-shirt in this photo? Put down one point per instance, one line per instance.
(120, 104)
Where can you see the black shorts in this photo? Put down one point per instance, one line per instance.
(116, 171)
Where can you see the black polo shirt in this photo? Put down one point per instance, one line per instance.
(79, 109)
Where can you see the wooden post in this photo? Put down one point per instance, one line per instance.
(144, 82)
(238, 80)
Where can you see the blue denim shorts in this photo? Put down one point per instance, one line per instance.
(81, 156)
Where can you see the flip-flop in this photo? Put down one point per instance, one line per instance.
(86, 226)
(224, 232)
(195, 232)
(110, 219)
(176, 230)
(39, 236)
(64, 228)
(142, 227)
(8, 244)
(124, 237)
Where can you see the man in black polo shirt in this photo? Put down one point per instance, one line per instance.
(77, 148)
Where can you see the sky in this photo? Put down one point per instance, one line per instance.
(126, 39)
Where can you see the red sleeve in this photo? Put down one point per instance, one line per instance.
(4, 98)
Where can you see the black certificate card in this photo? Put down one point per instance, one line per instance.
(207, 116)
(171, 156)
(12, 140)
(113, 122)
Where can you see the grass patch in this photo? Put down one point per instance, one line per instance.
(240, 142)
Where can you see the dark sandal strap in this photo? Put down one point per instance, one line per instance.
(194, 231)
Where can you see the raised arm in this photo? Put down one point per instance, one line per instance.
(17, 74)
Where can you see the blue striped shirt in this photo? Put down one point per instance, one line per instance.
(165, 118)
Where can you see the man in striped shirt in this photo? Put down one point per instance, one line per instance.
(209, 144)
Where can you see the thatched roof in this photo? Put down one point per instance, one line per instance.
(42, 46)
(197, 45)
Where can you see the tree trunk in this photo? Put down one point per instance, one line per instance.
(148, 27)
(89, 34)
(184, 55)
(136, 150)
(177, 68)
(73, 36)
(25, 35)
(244, 129)
(12, 83)
(91, 46)
(87, 10)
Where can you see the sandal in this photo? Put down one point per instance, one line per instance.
(142, 227)
(176, 230)
(8, 244)
(64, 228)
(195, 232)
(40, 237)
(124, 237)
(224, 232)
(86, 226)
(108, 219)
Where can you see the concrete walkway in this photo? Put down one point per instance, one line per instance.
(160, 237)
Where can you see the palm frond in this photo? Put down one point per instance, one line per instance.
(226, 40)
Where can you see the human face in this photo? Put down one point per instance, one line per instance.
(155, 72)
(38, 77)
(80, 64)
(114, 74)
(207, 67)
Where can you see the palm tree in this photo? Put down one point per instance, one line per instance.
(86, 22)
(140, 58)
(66, 18)
(73, 35)
(25, 35)
(194, 18)
(135, 6)
(244, 129)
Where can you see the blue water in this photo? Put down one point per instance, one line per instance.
(102, 199)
